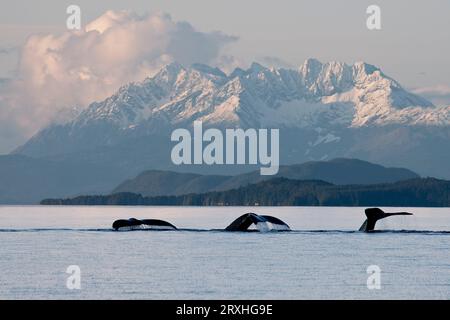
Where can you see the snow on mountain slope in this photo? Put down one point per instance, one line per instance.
(331, 96)
(356, 95)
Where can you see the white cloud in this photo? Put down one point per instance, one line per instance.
(57, 72)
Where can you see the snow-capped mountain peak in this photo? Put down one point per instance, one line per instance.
(322, 110)
(353, 95)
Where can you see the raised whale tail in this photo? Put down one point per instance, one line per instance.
(375, 214)
(144, 224)
(262, 223)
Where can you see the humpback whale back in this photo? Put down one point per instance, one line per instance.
(375, 214)
(262, 223)
(145, 224)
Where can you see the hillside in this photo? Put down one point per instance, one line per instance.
(337, 171)
(425, 192)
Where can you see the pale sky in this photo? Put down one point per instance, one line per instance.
(412, 47)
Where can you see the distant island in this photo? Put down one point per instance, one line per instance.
(339, 171)
(418, 192)
(22, 178)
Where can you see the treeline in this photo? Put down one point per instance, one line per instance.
(426, 192)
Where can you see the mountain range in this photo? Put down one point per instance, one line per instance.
(323, 111)
(336, 171)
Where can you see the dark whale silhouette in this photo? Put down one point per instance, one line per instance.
(262, 223)
(375, 214)
(144, 224)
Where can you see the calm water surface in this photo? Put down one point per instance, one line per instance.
(323, 258)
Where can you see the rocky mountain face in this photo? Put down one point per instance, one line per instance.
(323, 111)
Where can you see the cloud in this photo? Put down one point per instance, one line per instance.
(439, 94)
(58, 72)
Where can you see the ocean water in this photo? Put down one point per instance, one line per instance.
(323, 258)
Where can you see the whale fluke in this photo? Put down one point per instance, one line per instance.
(262, 223)
(145, 224)
(375, 214)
